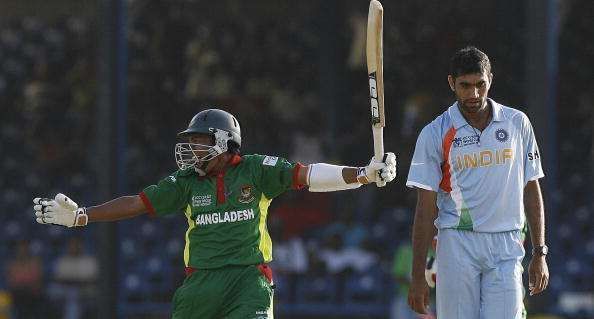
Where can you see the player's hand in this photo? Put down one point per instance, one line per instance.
(538, 275)
(59, 211)
(418, 296)
(380, 172)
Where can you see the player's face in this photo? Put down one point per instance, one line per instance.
(202, 139)
(199, 141)
(471, 91)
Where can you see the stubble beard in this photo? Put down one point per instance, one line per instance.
(471, 109)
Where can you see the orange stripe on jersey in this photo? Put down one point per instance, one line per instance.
(446, 182)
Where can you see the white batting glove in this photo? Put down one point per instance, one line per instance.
(380, 172)
(60, 211)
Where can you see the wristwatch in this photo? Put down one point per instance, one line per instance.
(541, 250)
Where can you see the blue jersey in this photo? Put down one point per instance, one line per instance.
(479, 176)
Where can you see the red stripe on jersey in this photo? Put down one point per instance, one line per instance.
(296, 170)
(220, 188)
(446, 182)
(147, 204)
(233, 161)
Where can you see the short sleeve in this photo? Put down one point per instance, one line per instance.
(532, 161)
(425, 167)
(166, 197)
(274, 175)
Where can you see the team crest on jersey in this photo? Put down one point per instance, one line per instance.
(501, 135)
(246, 195)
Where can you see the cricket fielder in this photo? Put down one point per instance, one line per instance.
(476, 169)
(225, 197)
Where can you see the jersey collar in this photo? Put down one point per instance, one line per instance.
(233, 161)
(497, 111)
(459, 120)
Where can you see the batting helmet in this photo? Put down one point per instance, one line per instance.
(221, 125)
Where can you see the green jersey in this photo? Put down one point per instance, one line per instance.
(227, 212)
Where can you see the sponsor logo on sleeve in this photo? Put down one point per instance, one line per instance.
(533, 155)
(270, 160)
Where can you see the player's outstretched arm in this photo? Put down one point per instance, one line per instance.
(322, 177)
(65, 212)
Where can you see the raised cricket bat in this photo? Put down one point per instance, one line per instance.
(375, 70)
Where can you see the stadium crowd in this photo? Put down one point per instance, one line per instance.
(333, 253)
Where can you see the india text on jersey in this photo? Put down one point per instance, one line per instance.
(483, 158)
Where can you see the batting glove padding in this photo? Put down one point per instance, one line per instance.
(59, 211)
(380, 172)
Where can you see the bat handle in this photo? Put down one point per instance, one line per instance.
(378, 149)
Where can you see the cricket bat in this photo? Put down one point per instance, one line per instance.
(375, 70)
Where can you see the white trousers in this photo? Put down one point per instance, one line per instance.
(479, 275)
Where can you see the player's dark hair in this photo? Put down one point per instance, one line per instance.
(469, 60)
(233, 148)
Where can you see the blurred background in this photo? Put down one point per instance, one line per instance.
(93, 92)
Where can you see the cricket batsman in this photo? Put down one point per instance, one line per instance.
(225, 197)
(476, 169)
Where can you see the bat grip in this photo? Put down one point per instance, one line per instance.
(378, 149)
(378, 143)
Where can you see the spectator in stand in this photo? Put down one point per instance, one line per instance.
(339, 260)
(75, 276)
(352, 232)
(291, 258)
(24, 279)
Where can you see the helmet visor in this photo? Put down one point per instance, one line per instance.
(189, 155)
